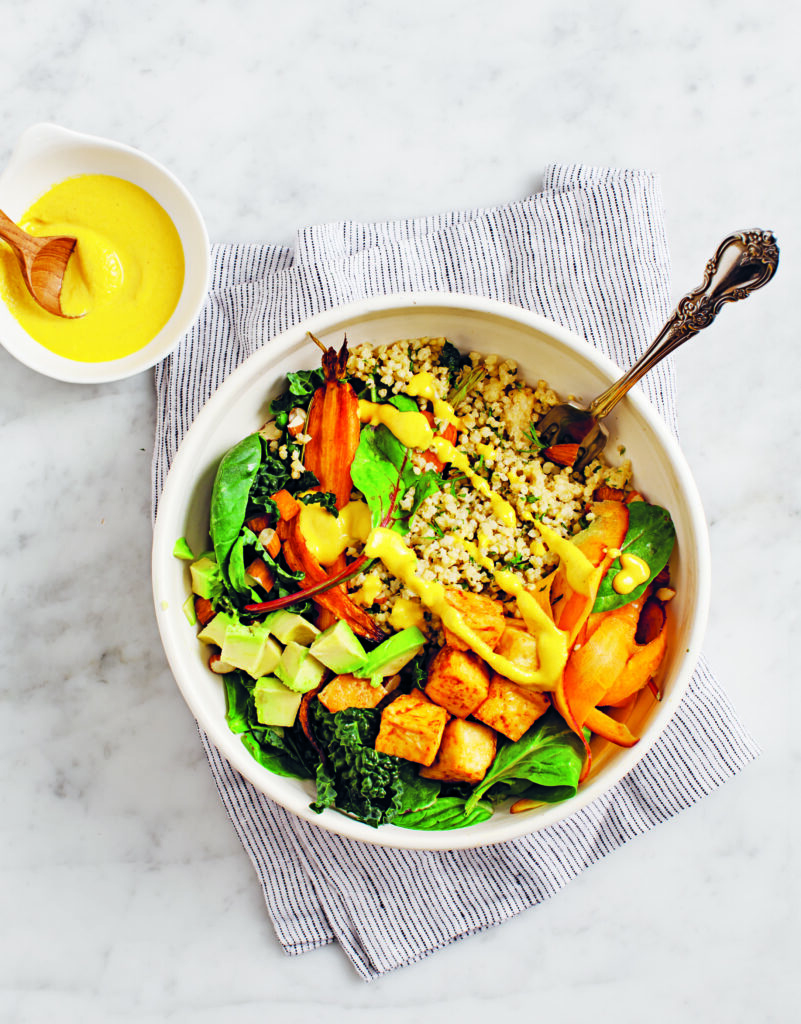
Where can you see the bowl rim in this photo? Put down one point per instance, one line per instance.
(46, 136)
(167, 529)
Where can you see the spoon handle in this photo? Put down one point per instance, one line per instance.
(743, 262)
(14, 235)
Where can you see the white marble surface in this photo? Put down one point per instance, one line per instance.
(124, 894)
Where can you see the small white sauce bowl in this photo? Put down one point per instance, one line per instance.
(47, 154)
(542, 349)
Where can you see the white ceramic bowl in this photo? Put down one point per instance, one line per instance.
(47, 154)
(542, 350)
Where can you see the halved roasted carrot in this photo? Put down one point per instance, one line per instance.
(334, 427)
(300, 559)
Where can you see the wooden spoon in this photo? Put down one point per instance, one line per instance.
(42, 261)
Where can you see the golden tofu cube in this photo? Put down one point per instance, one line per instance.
(346, 691)
(482, 614)
(457, 681)
(511, 709)
(411, 727)
(520, 647)
(465, 754)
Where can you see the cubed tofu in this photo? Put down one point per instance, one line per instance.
(482, 614)
(511, 709)
(457, 681)
(411, 727)
(465, 754)
(346, 691)
(520, 647)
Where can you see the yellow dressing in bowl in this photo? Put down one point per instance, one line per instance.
(123, 281)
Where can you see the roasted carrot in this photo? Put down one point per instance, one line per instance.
(610, 729)
(288, 507)
(334, 427)
(300, 559)
(640, 668)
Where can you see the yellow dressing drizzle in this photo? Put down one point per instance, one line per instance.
(579, 570)
(410, 428)
(501, 508)
(402, 562)
(369, 590)
(634, 571)
(406, 613)
(125, 275)
(425, 385)
(327, 536)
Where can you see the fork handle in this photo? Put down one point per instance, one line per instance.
(743, 262)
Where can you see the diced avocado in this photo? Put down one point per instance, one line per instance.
(214, 632)
(270, 656)
(205, 576)
(339, 649)
(182, 550)
(298, 669)
(291, 627)
(188, 608)
(276, 704)
(250, 648)
(391, 655)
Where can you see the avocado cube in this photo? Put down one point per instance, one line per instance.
(339, 649)
(276, 704)
(299, 669)
(214, 631)
(249, 648)
(291, 627)
(268, 659)
(391, 655)
(205, 575)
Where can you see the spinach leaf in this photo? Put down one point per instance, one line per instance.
(651, 536)
(239, 705)
(229, 496)
(446, 813)
(549, 756)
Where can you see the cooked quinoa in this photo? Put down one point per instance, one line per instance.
(496, 418)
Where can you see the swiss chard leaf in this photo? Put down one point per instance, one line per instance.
(229, 496)
(382, 470)
(447, 812)
(549, 756)
(650, 536)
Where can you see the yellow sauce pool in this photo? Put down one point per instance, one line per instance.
(123, 281)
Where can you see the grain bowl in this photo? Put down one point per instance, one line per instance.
(521, 347)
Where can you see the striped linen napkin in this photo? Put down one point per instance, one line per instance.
(589, 252)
